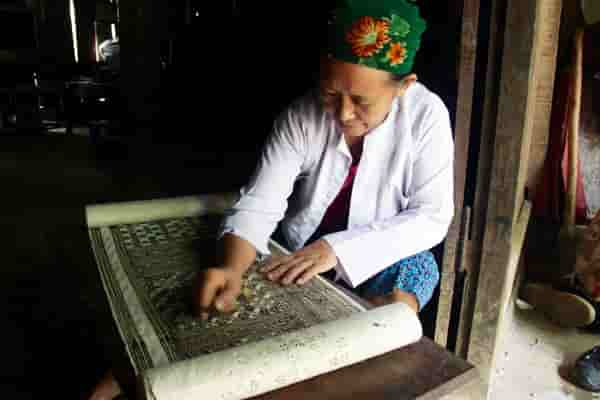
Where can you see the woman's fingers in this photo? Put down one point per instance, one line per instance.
(225, 301)
(308, 274)
(212, 282)
(301, 266)
(296, 270)
(274, 263)
(277, 274)
(208, 293)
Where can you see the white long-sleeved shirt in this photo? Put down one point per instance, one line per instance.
(402, 196)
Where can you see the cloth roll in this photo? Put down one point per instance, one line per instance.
(264, 366)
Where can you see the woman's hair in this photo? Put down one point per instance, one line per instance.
(398, 77)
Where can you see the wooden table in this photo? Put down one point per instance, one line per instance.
(421, 371)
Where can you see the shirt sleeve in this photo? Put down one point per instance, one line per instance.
(366, 250)
(263, 201)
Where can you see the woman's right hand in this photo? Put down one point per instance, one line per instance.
(218, 289)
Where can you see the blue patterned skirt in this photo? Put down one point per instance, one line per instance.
(418, 275)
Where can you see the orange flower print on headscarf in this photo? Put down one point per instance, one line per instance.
(368, 36)
(397, 54)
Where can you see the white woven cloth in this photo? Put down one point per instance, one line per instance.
(148, 254)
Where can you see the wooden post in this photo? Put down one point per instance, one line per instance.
(546, 53)
(544, 91)
(462, 129)
(472, 253)
(506, 216)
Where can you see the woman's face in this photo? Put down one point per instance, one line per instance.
(359, 97)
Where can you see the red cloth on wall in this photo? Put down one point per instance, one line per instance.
(549, 199)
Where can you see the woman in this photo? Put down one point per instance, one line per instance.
(357, 173)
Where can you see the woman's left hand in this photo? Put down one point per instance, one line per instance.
(302, 265)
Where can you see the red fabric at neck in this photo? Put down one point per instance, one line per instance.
(336, 216)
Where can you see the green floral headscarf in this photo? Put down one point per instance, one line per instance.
(381, 34)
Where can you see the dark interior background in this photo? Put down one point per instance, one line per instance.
(187, 111)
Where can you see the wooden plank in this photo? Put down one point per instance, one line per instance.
(544, 90)
(421, 371)
(514, 125)
(472, 252)
(464, 387)
(517, 244)
(468, 305)
(510, 289)
(462, 129)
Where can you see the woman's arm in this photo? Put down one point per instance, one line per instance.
(263, 200)
(236, 253)
(366, 250)
(249, 224)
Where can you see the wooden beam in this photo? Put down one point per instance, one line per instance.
(544, 91)
(514, 126)
(472, 252)
(517, 244)
(462, 129)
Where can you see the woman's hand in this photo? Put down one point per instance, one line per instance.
(302, 265)
(218, 289)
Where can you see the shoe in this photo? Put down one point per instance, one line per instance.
(566, 309)
(586, 372)
(575, 287)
